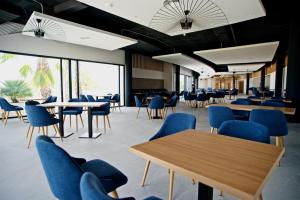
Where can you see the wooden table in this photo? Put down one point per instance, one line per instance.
(88, 105)
(285, 110)
(235, 166)
(265, 99)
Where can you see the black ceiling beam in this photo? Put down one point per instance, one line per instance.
(69, 6)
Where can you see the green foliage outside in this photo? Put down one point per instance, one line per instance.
(15, 89)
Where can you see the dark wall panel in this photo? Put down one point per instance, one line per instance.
(141, 83)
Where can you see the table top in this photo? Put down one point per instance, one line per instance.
(235, 166)
(164, 97)
(73, 104)
(265, 99)
(285, 110)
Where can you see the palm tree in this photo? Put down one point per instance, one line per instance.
(43, 77)
(15, 89)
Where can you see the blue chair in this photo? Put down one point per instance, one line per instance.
(156, 103)
(274, 120)
(102, 111)
(115, 99)
(90, 98)
(140, 105)
(273, 103)
(7, 108)
(171, 104)
(245, 130)
(38, 116)
(48, 100)
(73, 111)
(174, 123)
(63, 171)
(240, 114)
(83, 98)
(92, 189)
(217, 115)
(201, 98)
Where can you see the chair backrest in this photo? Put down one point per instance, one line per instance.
(274, 120)
(91, 188)
(116, 98)
(53, 99)
(173, 101)
(74, 108)
(274, 103)
(138, 103)
(38, 115)
(157, 102)
(31, 102)
(90, 98)
(243, 101)
(48, 100)
(218, 114)
(83, 98)
(63, 173)
(245, 130)
(5, 105)
(175, 123)
(105, 107)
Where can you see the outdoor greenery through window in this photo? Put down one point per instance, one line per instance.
(28, 77)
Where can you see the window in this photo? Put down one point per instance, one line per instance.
(100, 79)
(35, 77)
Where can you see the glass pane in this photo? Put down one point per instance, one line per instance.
(35, 77)
(65, 69)
(122, 84)
(98, 79)
(74, 79)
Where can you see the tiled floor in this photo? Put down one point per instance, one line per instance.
(22, 177)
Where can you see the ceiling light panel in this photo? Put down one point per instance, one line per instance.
(66, 31)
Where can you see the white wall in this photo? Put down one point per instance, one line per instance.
(31, 45)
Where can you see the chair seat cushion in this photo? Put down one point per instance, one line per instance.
(72, 112)
(109, 176)
(152, 198)
(14, 108)
(99, 112)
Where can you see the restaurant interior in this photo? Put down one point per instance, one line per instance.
(153, 100)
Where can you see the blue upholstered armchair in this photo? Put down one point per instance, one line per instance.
(217, 115)
(64, 172)
(174, 123)
(7, 108)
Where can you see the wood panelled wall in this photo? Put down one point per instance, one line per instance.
(145, 62)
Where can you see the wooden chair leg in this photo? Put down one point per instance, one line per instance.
(212, 130)
(81, 120)
(260, 197)
(138, 112)
(46, 128)
(29, 128)
(114, 194)
(70, 121)
(108, 121)
(221, 193)
(30, 137)
(97, 122)
(104, 124)
(145, 173)
(148, 113)
(43, 130)
(64, 118)
(171, 184)
(193, 181)
(6, 117)
(119, 107)
(21, 116)
(18, 115)
(76, 123)
(57, 129)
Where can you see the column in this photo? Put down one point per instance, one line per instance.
(293, 70)
(128, 78)
(279, 69)
(262, 78)
(177, 77)
(247, 83)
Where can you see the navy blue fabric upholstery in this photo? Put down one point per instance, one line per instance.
(157, 102)
(218, 114)
(245, 130)
(115, 98)
(53, 99)
(172, 102)
(64, 172)
(48, 100)
(92, 189)
(175, 123)
(240, 114)
(138, 103)
(274, 103)
(274, 120)
(39, 116)
(102, 110)
(83, 98)
(73, 110)
(8, 107)
(90, 98)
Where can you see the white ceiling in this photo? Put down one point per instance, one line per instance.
(204, 70)
(254, 53)
(245, 68)
(66, 31)
(142, 11)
